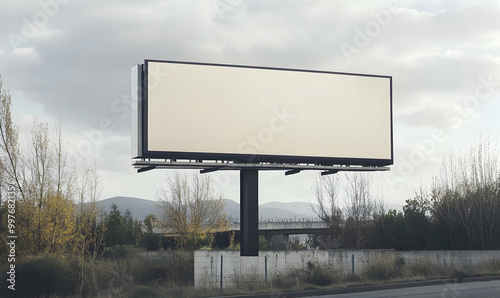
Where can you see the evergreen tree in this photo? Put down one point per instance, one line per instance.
(115, 227)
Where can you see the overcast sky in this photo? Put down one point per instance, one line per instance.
(71, 60)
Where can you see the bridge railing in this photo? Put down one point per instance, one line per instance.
(279, 220)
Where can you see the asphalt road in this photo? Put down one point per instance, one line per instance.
(462, 290)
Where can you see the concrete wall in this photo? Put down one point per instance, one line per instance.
(207, 264)
(458, 258)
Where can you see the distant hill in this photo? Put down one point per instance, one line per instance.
(141, 208)
(232, 209)
(273, 211)
(301, 208)
(268, 211)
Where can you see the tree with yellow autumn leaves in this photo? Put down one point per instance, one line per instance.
(55, 204)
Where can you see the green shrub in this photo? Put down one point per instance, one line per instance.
(44, 276)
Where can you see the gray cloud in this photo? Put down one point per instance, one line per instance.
(78, 64)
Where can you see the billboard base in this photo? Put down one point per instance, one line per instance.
(249, 213)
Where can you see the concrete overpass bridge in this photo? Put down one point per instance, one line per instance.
(281, 227)
(286, 227)
(270, 227)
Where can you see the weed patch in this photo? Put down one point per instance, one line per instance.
(321, 275)
(383, 268)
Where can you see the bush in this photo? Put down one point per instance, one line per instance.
(44, 276)
(177, 268)
(113, 275)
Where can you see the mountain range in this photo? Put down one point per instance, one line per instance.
(141, 208)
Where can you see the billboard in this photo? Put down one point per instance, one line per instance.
(200, 111)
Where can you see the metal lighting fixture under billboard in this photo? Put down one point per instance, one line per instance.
(232, 117)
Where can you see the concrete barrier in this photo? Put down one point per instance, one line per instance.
(207, 264)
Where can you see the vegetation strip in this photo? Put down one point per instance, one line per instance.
(368, 288)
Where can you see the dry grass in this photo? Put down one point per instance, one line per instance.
(379, 271)
(173, 277)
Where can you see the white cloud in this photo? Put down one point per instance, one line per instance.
(24, 52)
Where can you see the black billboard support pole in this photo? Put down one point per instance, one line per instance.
(249, 212)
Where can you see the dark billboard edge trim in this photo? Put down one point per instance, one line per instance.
(255, 158)
(146, 61)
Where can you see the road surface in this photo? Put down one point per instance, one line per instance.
(462, 290)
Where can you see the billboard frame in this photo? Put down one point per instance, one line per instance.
(140, 128)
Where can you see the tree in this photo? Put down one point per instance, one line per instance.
(417, 223)
(326, 193)
(90, 219)
(41, 181)
(191, 209)
(466, 197)
(150, 222)
(350, 227)
(133, 229)
(45, 207)
(394, 231)
(115, 227)
(151, 242)
(47, 218)
(360, 208)
(10, 160)
(60, 204)
(45, 210)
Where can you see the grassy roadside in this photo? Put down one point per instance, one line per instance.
(380, 271)
(124, 272)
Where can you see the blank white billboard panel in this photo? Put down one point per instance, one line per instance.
(206, 111)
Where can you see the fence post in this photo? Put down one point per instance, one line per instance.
(352, 259)
(221, 268)
(265, 266)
